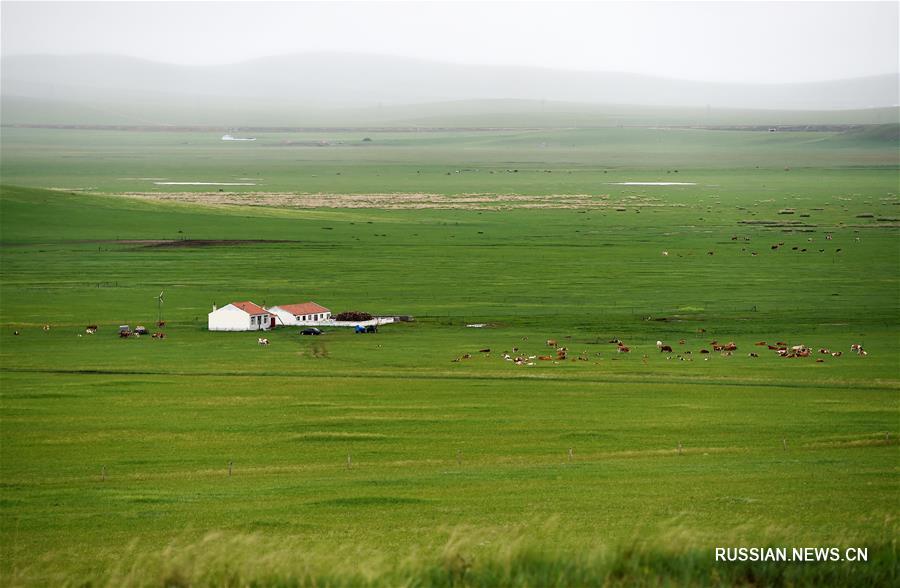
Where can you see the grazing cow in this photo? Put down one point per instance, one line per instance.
(753, 354)
(837, 353)
(824, 351)
(552, 343)
(262, 341)
(665, 349)
(161, 324)
(467, 356)
(781, 344)
(623, 349)
(158, 335)
(730, 346)
(125, 334)
(774, 246)
(803, 352)
(90, 330)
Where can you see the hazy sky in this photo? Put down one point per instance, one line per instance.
(723, 41)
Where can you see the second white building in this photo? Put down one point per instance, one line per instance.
(305, 313)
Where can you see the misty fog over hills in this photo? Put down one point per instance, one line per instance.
(97, 88)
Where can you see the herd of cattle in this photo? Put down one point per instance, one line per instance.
(561, 353)
(125, 331)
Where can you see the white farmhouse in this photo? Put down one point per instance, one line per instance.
(306, 313)
(241, 316)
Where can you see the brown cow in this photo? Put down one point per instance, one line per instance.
(552, 343)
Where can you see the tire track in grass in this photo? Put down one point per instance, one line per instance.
(608, 379)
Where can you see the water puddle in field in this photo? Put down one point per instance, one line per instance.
(653, 183)
(204, 183)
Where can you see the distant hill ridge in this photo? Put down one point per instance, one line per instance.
(352, 80)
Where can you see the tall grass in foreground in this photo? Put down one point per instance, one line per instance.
(474, 557)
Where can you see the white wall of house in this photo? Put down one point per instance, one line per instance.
(282, 317)
(289, 319)
(232, 318)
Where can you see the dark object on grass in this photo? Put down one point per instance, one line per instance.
(353, 315)
(311, 331)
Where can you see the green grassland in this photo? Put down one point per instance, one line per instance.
(114, 454)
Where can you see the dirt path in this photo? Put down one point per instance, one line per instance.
(395, 201)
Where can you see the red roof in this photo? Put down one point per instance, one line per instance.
(250, 308)
(303, 308)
